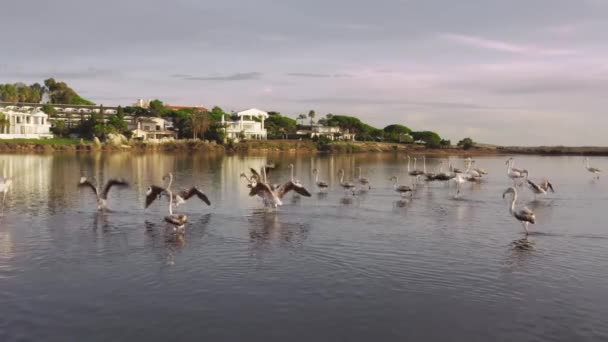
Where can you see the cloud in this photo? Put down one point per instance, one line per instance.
(317, 75)
(380, 101)
(59, 74)
(241, 76)
(498, 45)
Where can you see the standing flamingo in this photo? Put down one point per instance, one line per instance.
(595, 171)
(524, 215)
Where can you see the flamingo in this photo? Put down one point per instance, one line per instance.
(402, 190)
(363, 180)
(413, 173)
(541, 188)
(102, 198)
(595, 171)
(524, 215)
(443, 176)
(272, 195)
(5, 185)
(459, 180)
(176, 199)
(348, 186)
(320, 184)
(178, 221)
(513, 173)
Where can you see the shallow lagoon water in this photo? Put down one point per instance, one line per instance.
(331, 267)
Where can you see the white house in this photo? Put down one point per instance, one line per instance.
(330, 132)
(154, 129)
(25, 122)
(246, 126)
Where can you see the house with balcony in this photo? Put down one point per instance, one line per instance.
(330, 132)
(250, 125)
(24, 122)
(152, 129)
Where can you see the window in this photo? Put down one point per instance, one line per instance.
(27, 119)
(158, 127)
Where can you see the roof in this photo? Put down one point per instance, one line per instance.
(253, 112)
(187, 107)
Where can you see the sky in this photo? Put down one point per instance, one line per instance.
(510, 72)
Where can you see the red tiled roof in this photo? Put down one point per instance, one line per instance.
(187, 107)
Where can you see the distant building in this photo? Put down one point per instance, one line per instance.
(250, 125)
(201, 108)
(24, 122)
(152, 129)
(142, 103)
(330, 132)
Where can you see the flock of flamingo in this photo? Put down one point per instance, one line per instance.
(272, 194)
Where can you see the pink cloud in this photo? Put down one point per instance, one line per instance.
(498, 45)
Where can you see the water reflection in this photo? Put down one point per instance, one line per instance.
(266, 227)
(521, 252)
(353, 257)
(402, 203)
(168, 241)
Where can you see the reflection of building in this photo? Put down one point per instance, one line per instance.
(28, 122)
(250, 125)
(330, 132)
(153, 129)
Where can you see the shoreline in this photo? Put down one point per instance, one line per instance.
(257, 147)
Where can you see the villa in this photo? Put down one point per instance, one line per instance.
(330, 132)
(24, 122)
(250, 125)
(152, 129)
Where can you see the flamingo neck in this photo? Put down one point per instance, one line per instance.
(291, 167)
(408, 163)
(424, 165)
(170, 201)
(512, 207)
(170, 181)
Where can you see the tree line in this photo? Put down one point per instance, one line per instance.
(195, 123)
(56, 92)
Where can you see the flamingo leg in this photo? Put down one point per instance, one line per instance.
(525, 225)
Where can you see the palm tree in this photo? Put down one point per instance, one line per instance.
(311, 115)
(301, 118)
(4, 123)
(199, 123)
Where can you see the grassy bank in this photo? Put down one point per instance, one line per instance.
(281, 146)
(77, 145)
(555, 150)
(307, 146)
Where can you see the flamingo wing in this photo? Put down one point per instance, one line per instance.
(86, 183)
(526, 215)
(289, 186)
(153, 193)
(535, 187)
(113, 182)
(186, 194)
